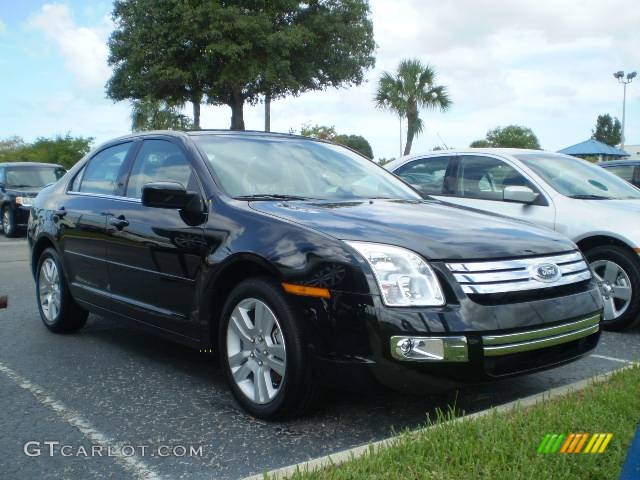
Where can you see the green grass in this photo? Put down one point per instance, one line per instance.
(504, 445)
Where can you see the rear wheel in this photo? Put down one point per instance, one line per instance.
(617, 272)
(263, 352)
(8, 221)
(58, 311)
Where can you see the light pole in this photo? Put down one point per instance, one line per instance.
(624, 81)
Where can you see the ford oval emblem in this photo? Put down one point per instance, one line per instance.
(545, 272)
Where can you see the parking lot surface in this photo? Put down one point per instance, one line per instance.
(112, 385)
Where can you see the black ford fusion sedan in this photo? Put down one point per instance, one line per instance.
(303, 264)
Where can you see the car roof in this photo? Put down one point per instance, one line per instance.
(29, 164)
(615, 163)
(202, 132)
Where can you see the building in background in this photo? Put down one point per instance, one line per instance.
(595, 151)
(633, 151)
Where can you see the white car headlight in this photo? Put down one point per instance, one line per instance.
(24, 201)
(404, 278)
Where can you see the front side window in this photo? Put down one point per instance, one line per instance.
(101, 174)
(158, 161)
(577, 178)
(486, 178)
(623, 171)
(429, 175)
(36, 176)
(266, 166)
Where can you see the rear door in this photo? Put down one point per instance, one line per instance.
(481, 181)
(154, 255)
(82, 222)
(434, 176)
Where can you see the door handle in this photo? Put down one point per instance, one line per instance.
(61, 212)
(119, 222)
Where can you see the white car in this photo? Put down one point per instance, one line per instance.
(596, 209)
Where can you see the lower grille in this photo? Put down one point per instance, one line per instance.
(510, 343)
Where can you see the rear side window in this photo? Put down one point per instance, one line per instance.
(623, 171)
(101, 173)
(428, 175)
(159, 161)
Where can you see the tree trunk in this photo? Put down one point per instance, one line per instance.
(410, 134)
(267, 113)
(196, 113)
(237, 115)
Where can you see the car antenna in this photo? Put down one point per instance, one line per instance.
(445, 145)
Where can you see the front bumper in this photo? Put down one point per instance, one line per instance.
(21, 215)
(357, 337)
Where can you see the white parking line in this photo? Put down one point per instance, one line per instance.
(133, 465)
(613, 359)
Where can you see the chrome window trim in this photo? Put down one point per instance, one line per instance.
(498, 345)
(103, 195)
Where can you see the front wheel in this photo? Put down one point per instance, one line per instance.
(58, 311)
(617, 272)
(263, 352)
(9, 222)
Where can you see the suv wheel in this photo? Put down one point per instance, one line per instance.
(8, 221)
(58, 310)
(263, 352)
(618, 275)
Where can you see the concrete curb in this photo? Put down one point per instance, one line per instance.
(351, 453)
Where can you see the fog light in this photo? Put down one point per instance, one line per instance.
(430, 349)
(406, 346)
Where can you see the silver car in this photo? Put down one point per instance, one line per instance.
(595, 208)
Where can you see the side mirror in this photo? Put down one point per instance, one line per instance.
(519, 194)
(168, 195)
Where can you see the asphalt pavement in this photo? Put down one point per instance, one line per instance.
(144, 402)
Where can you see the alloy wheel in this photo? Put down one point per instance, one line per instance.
(49, 290)
(6, 221)
(256, 351)
(615, 287)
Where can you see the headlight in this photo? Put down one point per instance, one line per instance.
(24, 201)
(405, 279)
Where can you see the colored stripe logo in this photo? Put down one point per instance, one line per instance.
(575, 442)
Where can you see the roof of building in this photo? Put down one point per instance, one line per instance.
(593, 147)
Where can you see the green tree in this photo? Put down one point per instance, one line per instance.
(318, 131)
(355, 142)
(383, 161)
(513, 136)
(149, 114)
(608, 130)
(63, 150)
(411, 88)
(234, 52)
(480, 144)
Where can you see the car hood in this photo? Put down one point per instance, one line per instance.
(24, 191)
(435, 230)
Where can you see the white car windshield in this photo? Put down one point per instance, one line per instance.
(577, 178)
(272, 167)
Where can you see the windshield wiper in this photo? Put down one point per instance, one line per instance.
(271, 196)
(589, 197)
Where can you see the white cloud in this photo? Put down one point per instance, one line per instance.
(83, 49)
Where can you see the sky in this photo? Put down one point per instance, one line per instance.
(543, 64)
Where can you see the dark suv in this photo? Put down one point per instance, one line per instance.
(20, 182)
(303, 264)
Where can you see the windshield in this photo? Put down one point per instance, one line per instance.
(271, 168)
(577, 178)
(25, 177)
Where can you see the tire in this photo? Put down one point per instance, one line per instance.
(290, 394)
(58, 311)
(620, 313)
(8, 220)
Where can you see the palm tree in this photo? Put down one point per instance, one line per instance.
(149, 114)
(411, 88)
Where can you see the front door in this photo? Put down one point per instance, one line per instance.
(154, 255)
(481, 181)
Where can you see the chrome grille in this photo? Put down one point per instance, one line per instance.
(516, 275)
